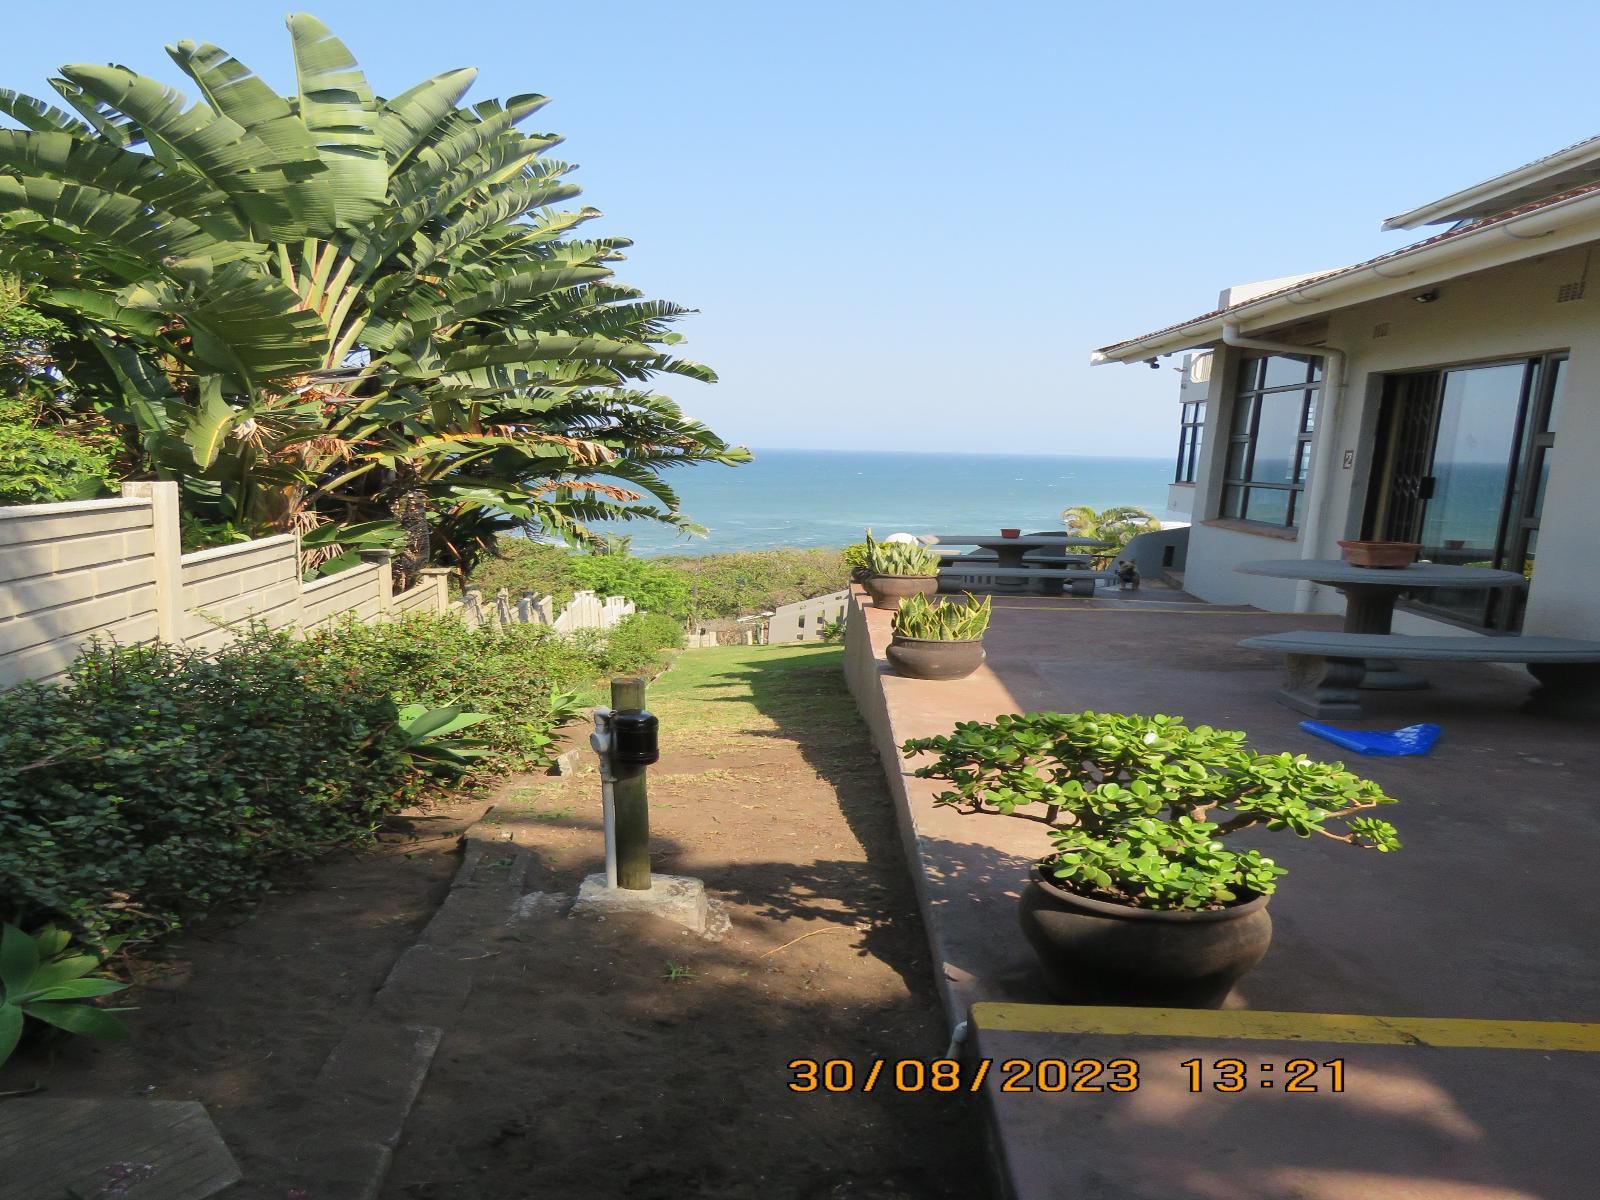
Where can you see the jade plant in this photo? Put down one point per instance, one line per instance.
(900, 558)
(950, 621)
(1139, 807)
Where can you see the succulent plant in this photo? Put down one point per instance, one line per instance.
(950, 621)
(900, 558)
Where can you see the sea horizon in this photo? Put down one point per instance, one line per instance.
(800, 497)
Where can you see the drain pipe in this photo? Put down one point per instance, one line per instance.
(600, 742)
(1328, 407)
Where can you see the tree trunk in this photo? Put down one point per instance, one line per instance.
(410, 508)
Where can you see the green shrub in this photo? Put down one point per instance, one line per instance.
(731, 585)
(157, 782)
(635, 645)
(41, 463)
(521, 566)
(652, 585)
(1139, 805)
(510, 675)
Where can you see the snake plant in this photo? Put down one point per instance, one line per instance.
(900, 558)
(951, 621)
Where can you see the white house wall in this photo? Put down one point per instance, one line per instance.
(1508, 312)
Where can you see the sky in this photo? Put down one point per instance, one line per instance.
(905, 225)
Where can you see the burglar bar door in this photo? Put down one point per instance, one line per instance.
(1408, 420)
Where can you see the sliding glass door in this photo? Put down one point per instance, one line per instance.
(1463, 455)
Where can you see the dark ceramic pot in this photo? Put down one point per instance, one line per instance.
(1383, 555)
(887, 591)
(924, 658)
(1098, 953)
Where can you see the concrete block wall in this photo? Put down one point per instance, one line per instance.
(228, 586)
(354, 591)
(71, 572)
(803, 620)
(115, 569)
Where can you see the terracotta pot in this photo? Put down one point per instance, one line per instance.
(1010, 533)
(887, 591)
(924, 658)
(1384, 555)
(1093, 952)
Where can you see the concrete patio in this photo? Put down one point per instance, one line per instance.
(1486, 917)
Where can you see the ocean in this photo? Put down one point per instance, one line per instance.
(828, 497)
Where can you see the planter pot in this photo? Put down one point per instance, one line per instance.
(1093, 952)
(923, 658)
(1010, 533)
(887, 591)
(1383, 555)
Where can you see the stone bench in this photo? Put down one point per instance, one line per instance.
(1081, 580)
(1326, 668)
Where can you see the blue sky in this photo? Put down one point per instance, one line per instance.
(907, 224)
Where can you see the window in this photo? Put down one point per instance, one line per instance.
(1269, 444)
(1189, 435)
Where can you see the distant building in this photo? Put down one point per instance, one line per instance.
(1447, 393)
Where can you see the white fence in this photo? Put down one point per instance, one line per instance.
(115, 569)
(586, 610)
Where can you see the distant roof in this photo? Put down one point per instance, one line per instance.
(1195, 331)
(1573, 167)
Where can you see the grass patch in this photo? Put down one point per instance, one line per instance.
(711, 696)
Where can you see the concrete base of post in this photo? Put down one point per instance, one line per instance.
(677, 898)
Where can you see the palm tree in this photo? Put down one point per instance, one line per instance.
(1116, 526)
(333, 309)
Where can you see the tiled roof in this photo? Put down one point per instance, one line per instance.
(1310, 281)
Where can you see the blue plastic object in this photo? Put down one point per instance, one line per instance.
(1397, 743)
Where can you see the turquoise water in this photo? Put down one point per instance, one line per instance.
(827, 497)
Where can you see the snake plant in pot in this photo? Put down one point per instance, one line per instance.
(1144, 898)
(934, 640)
(896, 570)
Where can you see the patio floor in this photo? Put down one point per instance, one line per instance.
(1486, 916)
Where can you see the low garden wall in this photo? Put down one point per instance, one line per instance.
(115, 569)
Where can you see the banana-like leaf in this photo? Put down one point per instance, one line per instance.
(236, 92)
(412, 116)
(95, 164)
(116, 128)
(383, 534)
(242, 322)
(341, 114)
(37, 115)
(125, 224)
(263, 180)
(210, 423)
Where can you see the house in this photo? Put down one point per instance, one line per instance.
(1447, 393)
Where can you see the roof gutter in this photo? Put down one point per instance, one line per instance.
(1421, 266)
(1333, 386)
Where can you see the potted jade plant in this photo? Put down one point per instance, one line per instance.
(1143, 898)
(896, 570)
(938, 640)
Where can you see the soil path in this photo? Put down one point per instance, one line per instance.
(628, 1057)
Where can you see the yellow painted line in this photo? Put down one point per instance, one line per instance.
(1346, 1028)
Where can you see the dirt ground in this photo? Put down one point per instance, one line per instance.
(618, 1057)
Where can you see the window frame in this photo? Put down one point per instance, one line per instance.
(1191, 436)
(1249, 393)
